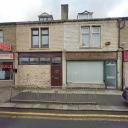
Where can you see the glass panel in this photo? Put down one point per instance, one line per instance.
(24, 60)
(44, 42)
(110, 73)
(95, 29)
(6, 70)
(85, 30)
(44, 60)
(1, 33)
(34, 60)
(56, 60)
(95, 40)
(44, 31)
(2, 74)
(1, 39)
(85, 40)
(35, 32)
(35, 41)
(1, 36)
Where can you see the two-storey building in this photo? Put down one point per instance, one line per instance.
(83, 52)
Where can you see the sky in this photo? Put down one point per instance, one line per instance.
(28, 10)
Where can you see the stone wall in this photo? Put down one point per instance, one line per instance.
(33, 76)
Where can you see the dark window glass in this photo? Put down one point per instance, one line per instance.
(34, 60)
(44, 60)
(44, 38)
(56, 60)
(35, 38)
(24, 60)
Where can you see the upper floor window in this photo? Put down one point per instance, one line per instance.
(40, 38)
(44, 38)
(90, 36)
(35, 38)
(1, 36)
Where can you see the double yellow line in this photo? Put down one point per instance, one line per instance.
(61, 116)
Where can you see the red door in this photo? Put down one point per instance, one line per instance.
(56, 75)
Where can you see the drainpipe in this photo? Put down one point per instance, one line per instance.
(121, 25)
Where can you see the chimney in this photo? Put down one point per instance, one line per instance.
(64, 12)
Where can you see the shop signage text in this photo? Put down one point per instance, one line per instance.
(7, 56)
(5, 47)
(126, 56)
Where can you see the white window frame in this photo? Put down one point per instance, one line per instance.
(39, 37)
(90, 36)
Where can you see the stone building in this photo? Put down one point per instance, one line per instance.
(83, 52)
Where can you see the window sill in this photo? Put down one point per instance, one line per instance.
(83, 47)
(6, 80)
(39, 49)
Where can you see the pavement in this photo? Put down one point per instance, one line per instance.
(63, 99)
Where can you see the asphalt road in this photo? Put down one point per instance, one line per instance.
(53, 119)
(13, 122)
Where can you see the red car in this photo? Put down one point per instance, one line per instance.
(125, 94)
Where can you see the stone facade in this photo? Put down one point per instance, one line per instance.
(37, 75)
(23, 37)
(124, 36)
(109, 33)
(33, 76)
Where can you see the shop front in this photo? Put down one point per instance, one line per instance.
(39, 69)
(6, 65)
(92, 69)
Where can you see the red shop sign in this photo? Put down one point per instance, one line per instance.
(5, 47)
(126, 56)
(6, 66)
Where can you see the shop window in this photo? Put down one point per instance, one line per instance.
(24, 60)
(90, 36)
(6, 71)
(34, 60)
(56, 60)
(1, 36)
(44, 60)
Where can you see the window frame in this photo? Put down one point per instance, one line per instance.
(90, 36)
(35, 36)
(41, 35)
(30, 62)
(19, 62)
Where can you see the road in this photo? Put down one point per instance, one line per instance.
(52, 119)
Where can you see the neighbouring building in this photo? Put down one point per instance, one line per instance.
(7, 53)
(123, 42)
